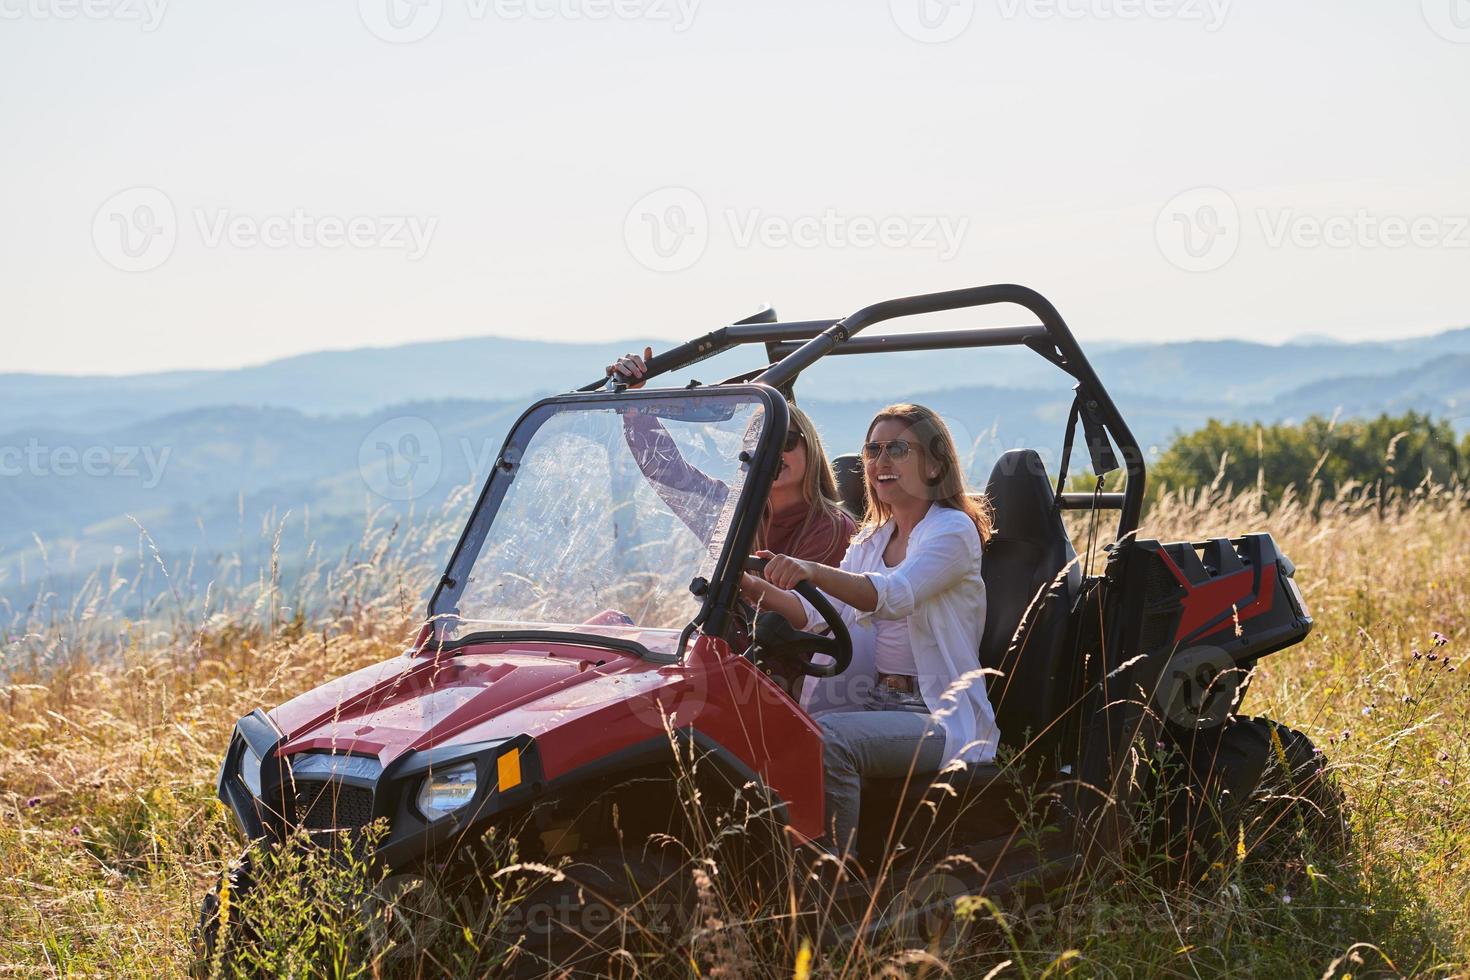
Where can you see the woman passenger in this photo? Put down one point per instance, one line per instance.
(802, 516)
(912, 574)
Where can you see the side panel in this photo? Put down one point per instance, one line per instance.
(728, 708)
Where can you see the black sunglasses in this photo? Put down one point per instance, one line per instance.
(897, 449)
(793, 439)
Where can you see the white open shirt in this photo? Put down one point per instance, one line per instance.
(938, 589)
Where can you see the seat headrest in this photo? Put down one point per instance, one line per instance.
(1022, 497)
(851, 488)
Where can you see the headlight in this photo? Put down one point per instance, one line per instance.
(250, 770)
(447, 790)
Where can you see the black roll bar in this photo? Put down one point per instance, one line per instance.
(797, 345)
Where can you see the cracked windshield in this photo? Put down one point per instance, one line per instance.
(610, 513)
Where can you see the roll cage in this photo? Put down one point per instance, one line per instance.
(792, 347)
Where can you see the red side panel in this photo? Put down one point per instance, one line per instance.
(1208, 601)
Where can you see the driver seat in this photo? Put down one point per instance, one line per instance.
(1029, 557)
(1032, 582)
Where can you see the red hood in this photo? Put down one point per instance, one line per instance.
(491, 690)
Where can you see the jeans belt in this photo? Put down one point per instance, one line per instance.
(897, 682)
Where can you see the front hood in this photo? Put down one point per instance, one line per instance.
(490, 690)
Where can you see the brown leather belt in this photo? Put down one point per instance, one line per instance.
(897, 682)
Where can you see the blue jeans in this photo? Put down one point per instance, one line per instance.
(894, 737)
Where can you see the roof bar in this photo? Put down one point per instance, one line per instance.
(1091, 501)
(929, 340)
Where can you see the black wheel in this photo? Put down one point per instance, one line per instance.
(1255, 787)
(612, 914)
(211, 947)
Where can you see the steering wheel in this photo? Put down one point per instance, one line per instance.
(775, 637)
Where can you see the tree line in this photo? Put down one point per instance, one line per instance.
(1389, 453)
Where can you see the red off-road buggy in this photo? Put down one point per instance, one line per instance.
(587, 661)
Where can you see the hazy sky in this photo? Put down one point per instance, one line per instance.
(206, 184)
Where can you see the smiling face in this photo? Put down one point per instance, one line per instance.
(892, 480)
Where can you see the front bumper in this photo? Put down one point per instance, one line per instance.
(324, 792)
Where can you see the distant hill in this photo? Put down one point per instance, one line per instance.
(492, 368)
(204, 460)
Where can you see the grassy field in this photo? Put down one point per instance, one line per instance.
(111, 733)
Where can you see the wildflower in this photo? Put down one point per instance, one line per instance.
(1270, 889)
(1439, 638)
(1367, 710)
(1286, 899)
(76, 831)
(33, 801)
(1417, 654)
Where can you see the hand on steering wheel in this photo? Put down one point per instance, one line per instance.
(774, 634)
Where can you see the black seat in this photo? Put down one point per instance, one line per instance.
(1026, 642)
(1025, 635)
(851, 488)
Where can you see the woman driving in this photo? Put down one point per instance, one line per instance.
(802, 516)
(912, 575)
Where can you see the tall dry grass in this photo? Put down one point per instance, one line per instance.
(111, 732)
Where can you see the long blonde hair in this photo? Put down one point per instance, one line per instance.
(818, 486)
(947, 487)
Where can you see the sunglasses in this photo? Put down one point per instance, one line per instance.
(895, 450)
(793, 439)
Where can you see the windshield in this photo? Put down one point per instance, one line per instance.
(605, 515)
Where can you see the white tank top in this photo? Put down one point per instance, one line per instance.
(893, 653)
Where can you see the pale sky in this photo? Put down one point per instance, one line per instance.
(597, 169)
